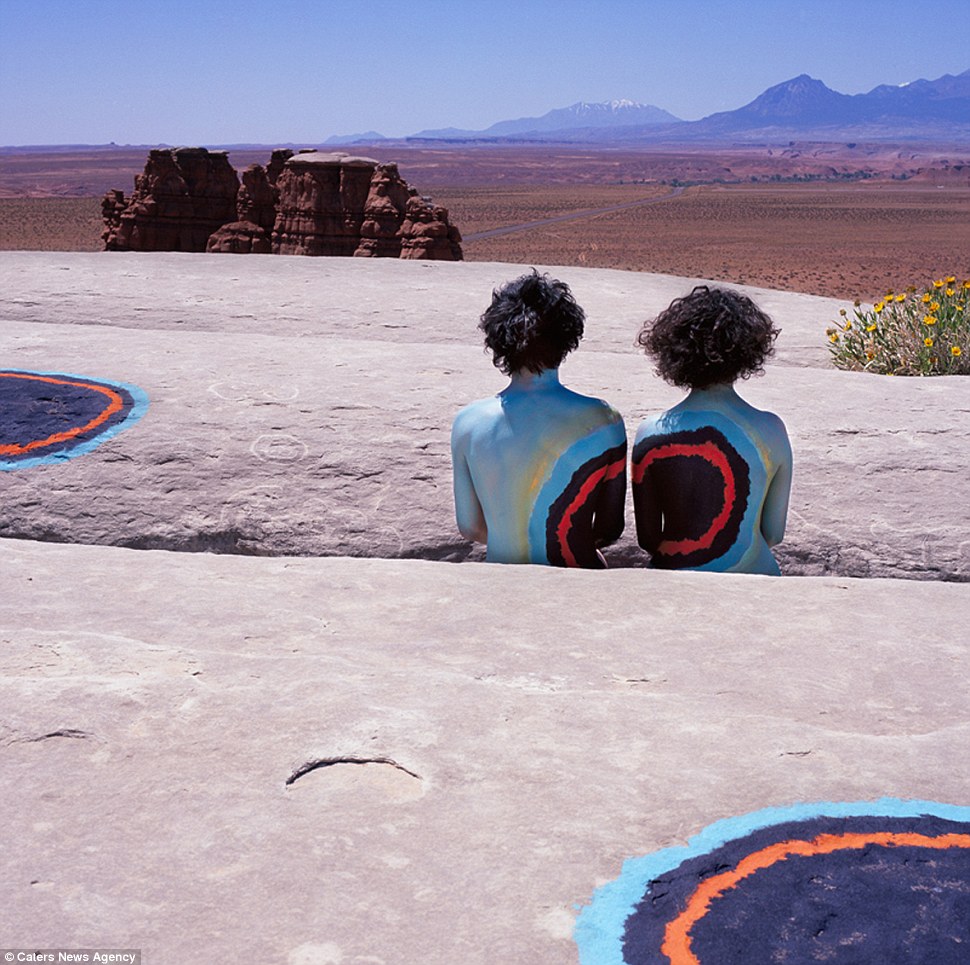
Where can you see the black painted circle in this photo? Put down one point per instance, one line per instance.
(871, 906)
(48, 416)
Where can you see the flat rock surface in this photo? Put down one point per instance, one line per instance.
(297, 757)
(497, 741)
(303, 406)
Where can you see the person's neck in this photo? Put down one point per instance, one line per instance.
(718, 391)
(526, 381)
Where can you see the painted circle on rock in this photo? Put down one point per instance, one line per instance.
(51, 416)
(841, 883)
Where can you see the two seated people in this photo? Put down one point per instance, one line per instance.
(540, 470)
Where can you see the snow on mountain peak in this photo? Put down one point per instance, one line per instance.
(615, 106)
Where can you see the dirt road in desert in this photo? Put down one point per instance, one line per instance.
(571, 216)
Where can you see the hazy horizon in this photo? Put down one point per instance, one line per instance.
(296, 71)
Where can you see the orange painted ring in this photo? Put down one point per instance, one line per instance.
(115, 404)
(677, 938)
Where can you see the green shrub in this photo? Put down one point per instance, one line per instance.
(907, 333)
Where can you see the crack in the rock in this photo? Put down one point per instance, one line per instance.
(796, 559)
(64, 732)
(332, 761)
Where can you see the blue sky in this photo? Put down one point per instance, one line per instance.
(228, 71)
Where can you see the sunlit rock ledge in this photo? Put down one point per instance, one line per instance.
(303, 408)
(326, 761)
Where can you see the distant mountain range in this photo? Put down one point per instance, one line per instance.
(802, 107)
(609, 115)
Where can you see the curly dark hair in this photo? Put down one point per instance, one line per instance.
(533, 323)
(711, 335)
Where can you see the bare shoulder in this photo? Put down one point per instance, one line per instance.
(772, 430)
(658, 425)
(772, 426)
(474, 415)
(599, 409)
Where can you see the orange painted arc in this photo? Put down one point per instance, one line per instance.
(115, 404)
(677, 940)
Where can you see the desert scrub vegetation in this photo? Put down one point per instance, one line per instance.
(911, 332)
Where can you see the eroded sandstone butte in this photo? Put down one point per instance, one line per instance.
(308, 203)
(180, 199)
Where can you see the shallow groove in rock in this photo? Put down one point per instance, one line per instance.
(319, 763)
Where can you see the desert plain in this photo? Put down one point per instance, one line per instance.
(262, 703)
(846, 220)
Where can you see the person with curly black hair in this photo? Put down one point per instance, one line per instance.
(712, 475)
(539, 470)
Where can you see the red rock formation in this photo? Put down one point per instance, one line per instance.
(384, 212)
(277, 161)
(183, 196)
(257, 198)
(256, 213)
(309, 203)
(426, 233)
(112, 207)
(321, 204)
(240, 238)
(334, 204)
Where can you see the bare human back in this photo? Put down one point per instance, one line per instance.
(539, 470)
(712, 475)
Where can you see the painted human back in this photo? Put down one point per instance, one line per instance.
(539, 470)
(711, 479)
(548, 467)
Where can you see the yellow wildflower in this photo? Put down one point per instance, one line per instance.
(929, 319)
(900, 298)
(870, 328)
(934, 306)
(847, 327)
(955, 351)
(870, 355)
(959, 306)
(966, 284)
(834, 337)
(951, 279)
(950, 293)
(927, 342)
(937, 284)
(926, 298)
(878, 307)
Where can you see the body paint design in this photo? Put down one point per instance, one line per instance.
(560, 527)
(571, 515)
(702, 464)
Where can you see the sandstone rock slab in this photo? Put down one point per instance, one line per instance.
(350, 761)
(304, 408)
